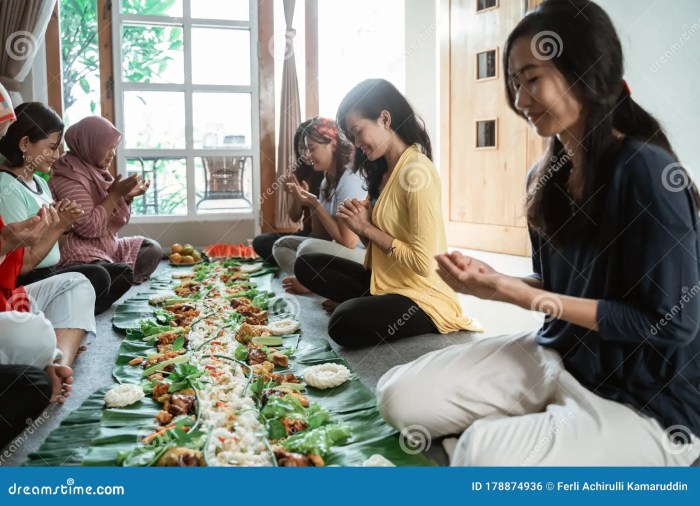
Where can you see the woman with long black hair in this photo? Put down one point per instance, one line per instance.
(613, 376)
(396, 294)
(303, 175)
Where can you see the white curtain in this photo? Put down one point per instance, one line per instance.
(22, 28)
(290, 116)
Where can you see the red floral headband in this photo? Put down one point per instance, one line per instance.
(326, 127)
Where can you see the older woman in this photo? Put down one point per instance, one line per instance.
(83, 175)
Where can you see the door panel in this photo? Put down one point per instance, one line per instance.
(485, 204)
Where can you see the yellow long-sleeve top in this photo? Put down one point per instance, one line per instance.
(409, 209)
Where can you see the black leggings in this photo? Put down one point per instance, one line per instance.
(24, 393)
(361, 319)
(110, 281)
(262, 244)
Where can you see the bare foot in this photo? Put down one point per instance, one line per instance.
(329, 305)
(291, 285)
(61, 377)
(80, 351)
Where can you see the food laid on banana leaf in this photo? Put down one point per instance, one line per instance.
(220, 378)
(213, 372)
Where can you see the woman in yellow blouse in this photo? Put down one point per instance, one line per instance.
(398, 292)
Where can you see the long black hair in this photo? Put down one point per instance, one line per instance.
(580, 40)
(34, 120)
(369, 99)
(303, 170)
(325, 131)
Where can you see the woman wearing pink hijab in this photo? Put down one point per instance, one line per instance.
(83, 175)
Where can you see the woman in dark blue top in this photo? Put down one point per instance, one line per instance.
(613, 376)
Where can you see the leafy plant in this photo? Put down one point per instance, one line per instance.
(143, 48)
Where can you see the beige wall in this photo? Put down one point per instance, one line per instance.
(422, 72)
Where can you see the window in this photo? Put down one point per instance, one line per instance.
(79, 60)
(357, 41)
(186, 101)
(482, 5)
(486, 134)
(486, 64)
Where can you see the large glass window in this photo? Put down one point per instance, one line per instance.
(185, 102)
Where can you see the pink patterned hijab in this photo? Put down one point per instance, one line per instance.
(89, 141)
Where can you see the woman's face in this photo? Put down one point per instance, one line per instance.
(107, 160)
(542, 93)
(41, 155)
(371, 136)
(320, 155)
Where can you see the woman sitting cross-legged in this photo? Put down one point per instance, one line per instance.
(82, 175)
(34, 364)
(303, 176)
(42, 324)
(612, 377)
(329, 152)
(32, 144)
(397, 292)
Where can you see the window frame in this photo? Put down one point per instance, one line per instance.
(495, 134)
(189, 153)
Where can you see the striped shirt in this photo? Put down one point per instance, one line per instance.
(94, 236)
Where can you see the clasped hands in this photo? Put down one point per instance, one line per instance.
(58, 216)
(355, 214)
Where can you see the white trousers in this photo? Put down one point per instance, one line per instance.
(64, 301)
(512, 403)
(287, 249)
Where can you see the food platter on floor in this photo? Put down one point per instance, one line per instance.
(212, 372)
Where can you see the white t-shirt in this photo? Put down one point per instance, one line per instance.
(350, 186)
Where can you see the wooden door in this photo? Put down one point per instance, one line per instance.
(488, 149)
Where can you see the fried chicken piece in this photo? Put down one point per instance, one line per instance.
(256, 356)
(263, 369)
(293, 426)
(136, 361)
(280, 359)
(163, 357)
(259, 318)
(284, 378)
(240, 301)
(187, 287)
(160, 390)
(163, 417)
(289, 459)
(180, 404)
(181, 457)
(247, 332)
(168, 337)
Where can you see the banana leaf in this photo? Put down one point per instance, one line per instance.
(128, 314)
(108, 431)
(68, 444)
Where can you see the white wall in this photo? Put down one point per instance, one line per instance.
(661, 42)
(422, 64)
